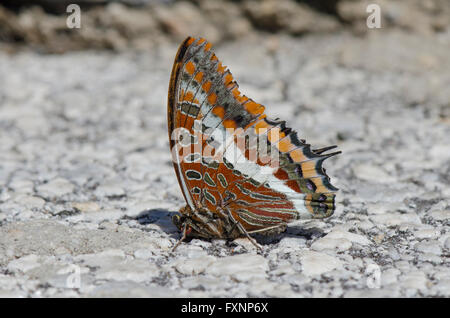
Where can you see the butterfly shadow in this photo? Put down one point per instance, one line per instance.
(294, 231)
(160, 217)
(163, 219)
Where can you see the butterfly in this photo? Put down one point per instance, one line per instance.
(240, 172)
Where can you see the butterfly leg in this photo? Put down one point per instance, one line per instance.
(251, 239)
(243, 230)
(182, 238)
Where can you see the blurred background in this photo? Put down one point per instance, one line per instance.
(142, 24)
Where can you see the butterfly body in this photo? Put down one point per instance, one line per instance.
(239, 171)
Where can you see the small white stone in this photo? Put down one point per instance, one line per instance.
(86, 206)
(56, 188)
(109, 190)
(243, 267)
(102, 258)
(24, 264)
(104, 215)
(442, 287)
(283, 290)
(393, 253)
(428, 247)
(430, 257)
(395, 219)
(143, 253)
(30, 201)
(389, 276)
(315, 263)
(382, 208)
(163, 243)
(22, 186)
(190, 250)
(291, 243)
(246, 243)
(352, 237)
(108, 225)
(365, 225)
(327, 243)
(372, 293)
(414, 280)
(61, 250)
(298, 279)
(8, 282)
(440, 215)
(193, 266)
(427, 233)
(372, 173)
(447, 243)
(283, 268)
(134, 270)
(4, 195)
(440, 152)
(207, 282)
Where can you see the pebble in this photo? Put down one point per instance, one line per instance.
(86, 206)
(430, 257)
(315, 263)
(440, 215)
(389, 276)
(283, 268)
(432, 247)
(414, 280)
(291, 243)
(382, 208)
(395, 219)
(4, 195)
(207, 282)
(442, 288)
(193, 266)
(22, 186)
(55, 188)
(143, 253)
(24, 264)
(243, 267)
(109, 190)
(447, 243)
(427, 233)
(372, 173)
(136, 270)
(352, 237)
(30, 201)
(327, 243)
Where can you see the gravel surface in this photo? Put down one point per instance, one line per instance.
(88, 188)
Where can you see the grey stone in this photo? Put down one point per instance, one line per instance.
(243, 267)
(414, 280)
(315, 263)
(24, 263)
(432, 247)
(56, 188)
(447, 243)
